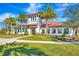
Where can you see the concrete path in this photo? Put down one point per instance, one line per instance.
(10, 40)
(4, 41)
(47, 42)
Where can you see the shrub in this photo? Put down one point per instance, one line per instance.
(26, 33)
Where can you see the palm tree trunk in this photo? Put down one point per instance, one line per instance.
(11, 29)
(76, 31)
(21, 28)
(7, 30)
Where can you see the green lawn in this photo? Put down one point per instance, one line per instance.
(40, 38)
(10, 36)
(25, 49)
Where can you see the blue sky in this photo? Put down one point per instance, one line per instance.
(13, 9)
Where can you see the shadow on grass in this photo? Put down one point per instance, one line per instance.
(25, 51)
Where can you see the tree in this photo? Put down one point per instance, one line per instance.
(22, 18)
(17, 27)
(72, 14)
(47, 13)
(10, 22)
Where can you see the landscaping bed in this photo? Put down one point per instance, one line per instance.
(31, 49)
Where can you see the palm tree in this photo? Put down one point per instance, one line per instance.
(72, 24)
(10, 22)
(47, 14)
(22, 18)
(72, 15)
(17, 27)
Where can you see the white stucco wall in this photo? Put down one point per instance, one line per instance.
(29, 31)
(71, 32)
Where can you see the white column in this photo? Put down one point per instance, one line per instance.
(62, 31)
(45, 30)
(37, 30)
(29, 31)
(50, 30)
(56, 31)
(71, 32)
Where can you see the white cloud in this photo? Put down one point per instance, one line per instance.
(33, 8)
(6, 15)
(64, 6)
(60, 19)
(60, 9)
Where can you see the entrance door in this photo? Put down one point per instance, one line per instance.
(33, 31)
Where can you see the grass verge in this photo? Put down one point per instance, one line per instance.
(24, 49)
(40, 38)
(10, 36)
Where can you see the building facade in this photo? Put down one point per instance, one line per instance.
(35, 25)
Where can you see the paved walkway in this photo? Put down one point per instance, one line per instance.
(47, 42)
(4, 41)
(10, 40)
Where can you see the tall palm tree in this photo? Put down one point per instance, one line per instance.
(72, 24)
(72, 14)
(47, 13)
(22, 18)
(10, 22)
(17, 27)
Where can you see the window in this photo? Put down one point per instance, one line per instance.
(33, 18)
(53, 31)
(66, 31)
(48, 31)
(59, 30)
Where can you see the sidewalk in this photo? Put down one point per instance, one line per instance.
(47, 42)
(4, 41)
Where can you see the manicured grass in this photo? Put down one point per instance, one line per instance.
(31, 49)
(40, 38)
(10, 36)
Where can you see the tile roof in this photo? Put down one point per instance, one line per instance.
(54, 24)
(50, 24)
(30, 25)
(35, 14)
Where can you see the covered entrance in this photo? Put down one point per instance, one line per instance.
(32, 29)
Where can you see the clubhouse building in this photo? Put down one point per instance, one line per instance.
(35, 25)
